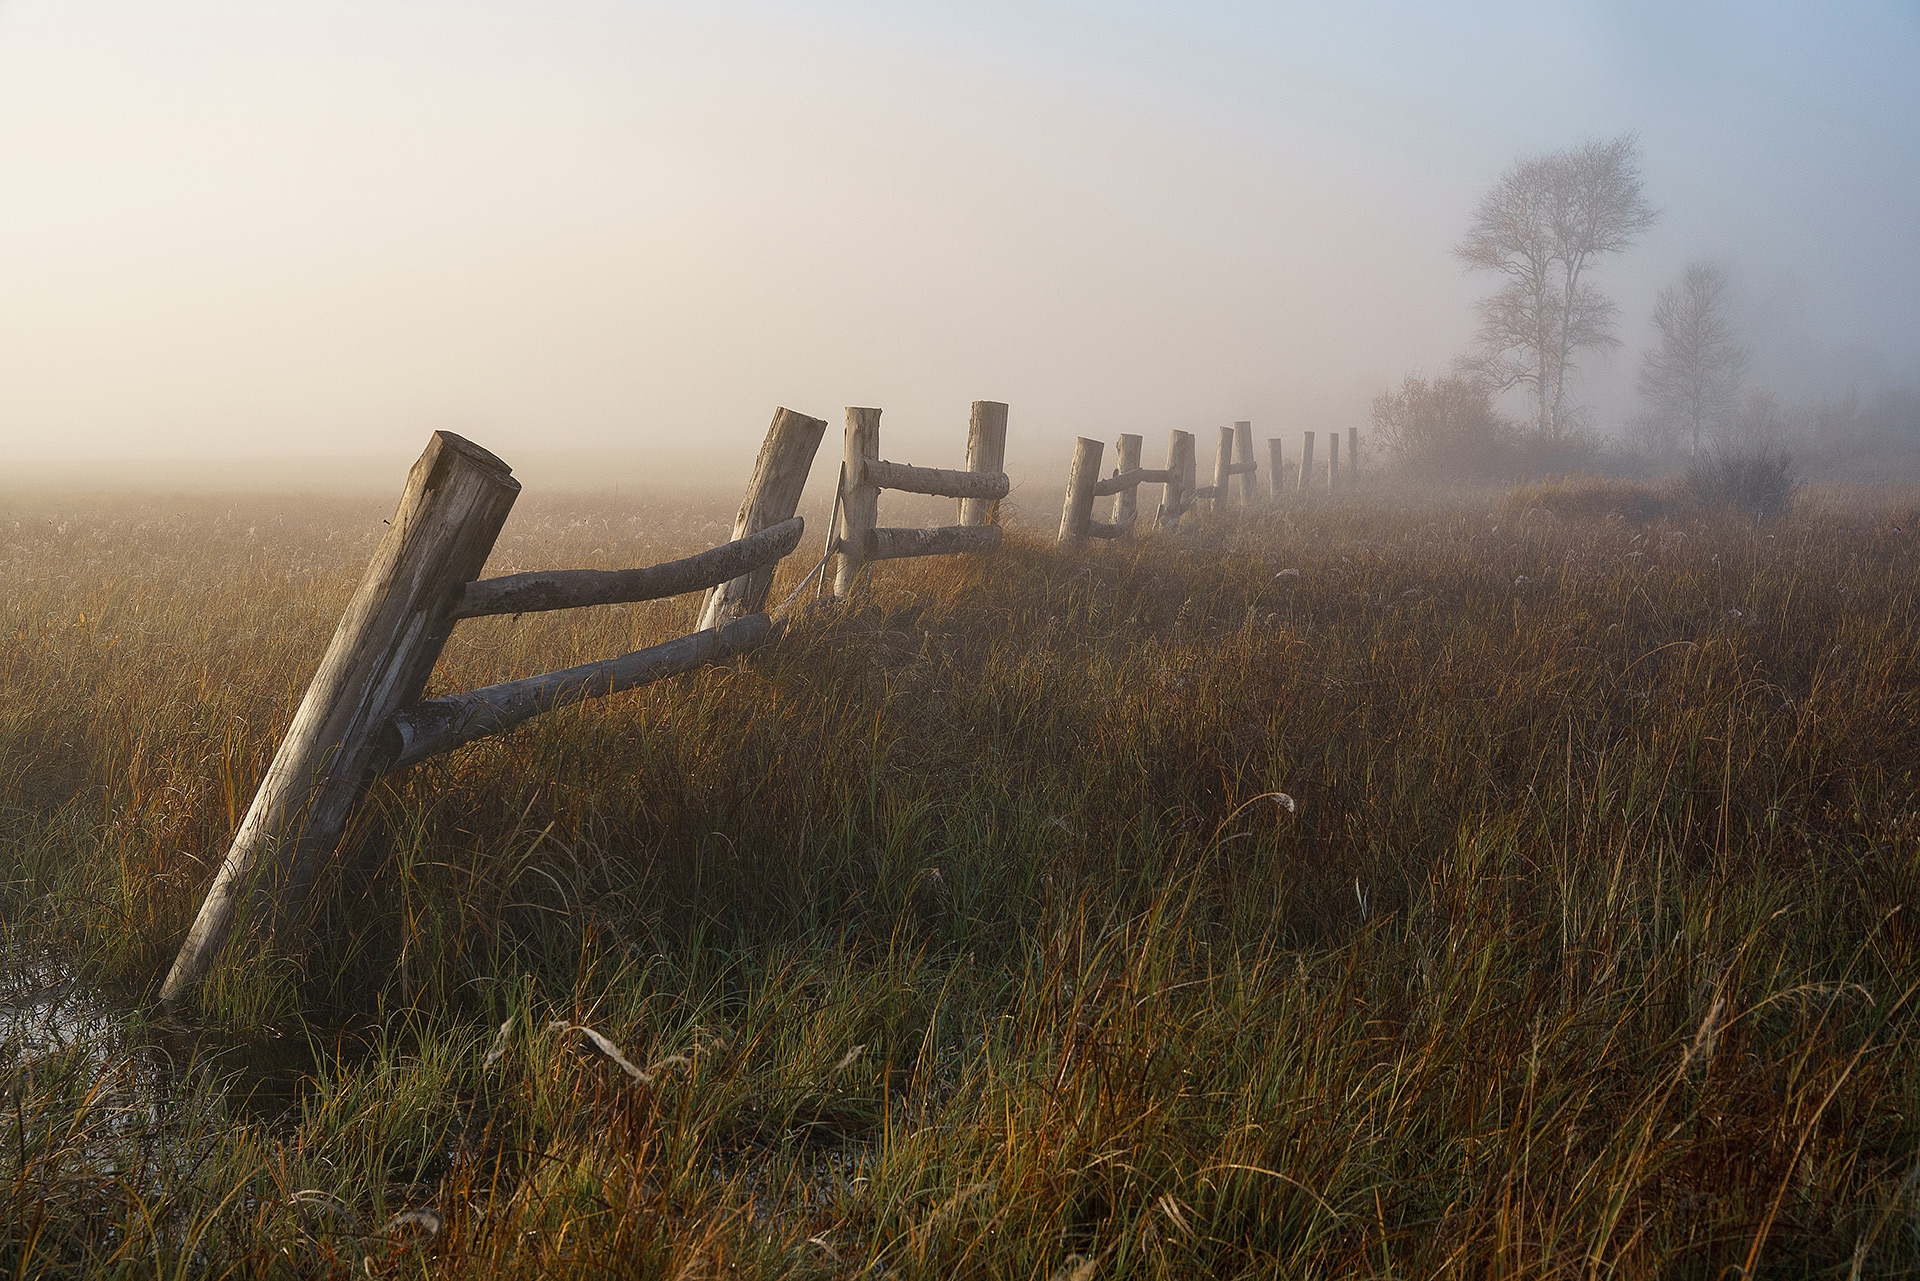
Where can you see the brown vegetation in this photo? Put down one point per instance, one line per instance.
(1519, 888)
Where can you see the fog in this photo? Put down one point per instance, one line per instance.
(605, 240)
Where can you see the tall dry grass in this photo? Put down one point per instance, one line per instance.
(965, 931)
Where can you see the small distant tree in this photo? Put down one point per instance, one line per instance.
(1543, 226)
(1447, 428)
(1693, 377)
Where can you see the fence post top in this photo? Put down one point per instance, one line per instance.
(473, 453)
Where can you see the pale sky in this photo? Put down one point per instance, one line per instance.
(264, 228)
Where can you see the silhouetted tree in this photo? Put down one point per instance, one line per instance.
(1544, 224)
(1693, 376)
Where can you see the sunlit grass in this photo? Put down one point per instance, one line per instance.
(960, 932)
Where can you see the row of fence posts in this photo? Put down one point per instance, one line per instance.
(1180, 491)
(363, 714)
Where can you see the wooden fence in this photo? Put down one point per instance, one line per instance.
(1305, 482)
(1084, 485)
(859, 538)
(1180, 495)
(363, 715)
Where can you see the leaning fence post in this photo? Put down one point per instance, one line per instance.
(457, 497)
(1353, 458)
(1243, 456)
(1076, 518)
(1126, 503)
(1222, 469)
(986, 451)
(1275, 461)
(1306, 464)
(860, 506)
(780, 473)
(1333, 462)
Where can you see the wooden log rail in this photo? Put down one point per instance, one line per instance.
(861, 539)
(945, 540)
(1125, 480)
(435, 725)
(577, 588)
(934, 481)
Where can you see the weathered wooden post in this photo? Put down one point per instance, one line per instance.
(1076, 518)
(1333, 462)
(1277, 462)
(780, 473)
(1173, 493)
(1222, 469)
(986, 451)
(1243, 458)
(1126, 503)
(1306, 464)
(1353, 458)
(457, 497)
(860, 505)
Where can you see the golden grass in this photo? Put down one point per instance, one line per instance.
(961, 932)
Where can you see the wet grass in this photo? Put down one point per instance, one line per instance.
(1517, 885)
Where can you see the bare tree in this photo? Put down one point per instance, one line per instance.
(1544, 224)
(1693, 376)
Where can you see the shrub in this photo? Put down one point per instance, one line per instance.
(1760, 481)
(1446, 429)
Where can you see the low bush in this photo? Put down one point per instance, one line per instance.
(1446, 429)
(1759, 481)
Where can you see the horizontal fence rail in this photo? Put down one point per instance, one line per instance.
(932, 480)
(549, 589)
(1120, 482)
(435, 725)
(945, 540)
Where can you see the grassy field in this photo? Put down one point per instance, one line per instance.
(1480, 886)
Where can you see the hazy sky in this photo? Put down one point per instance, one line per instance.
(271, 228)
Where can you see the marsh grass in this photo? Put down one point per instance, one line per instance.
(961, 931)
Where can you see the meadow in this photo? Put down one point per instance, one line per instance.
(1481, 884)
